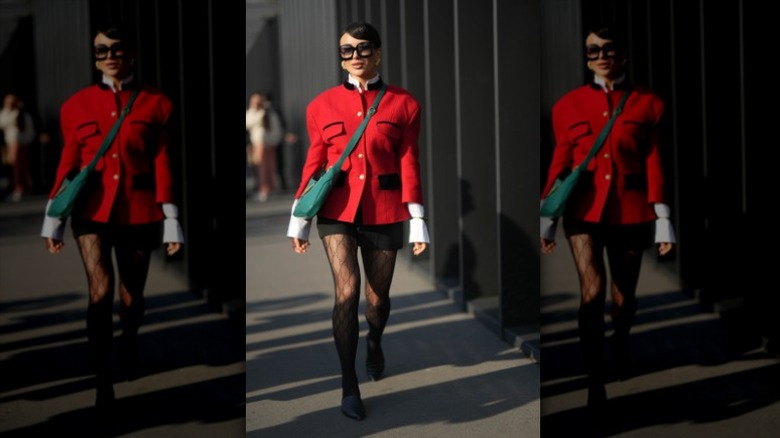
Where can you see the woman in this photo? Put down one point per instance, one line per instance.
(617, 201)
(378, 189)
(265, 134)
(124, 201)
(18, 132)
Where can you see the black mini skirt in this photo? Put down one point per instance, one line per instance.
(383, 237)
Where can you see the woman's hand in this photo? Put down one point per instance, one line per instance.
(299, 245)
(547, 246)
(173, 248)
(419, 247)
(54, 246)
(664, 248)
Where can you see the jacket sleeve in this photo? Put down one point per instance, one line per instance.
(409, 156)
(562, 154)
(162, 165)
(655, 174)
(317, 154)
(70, 159)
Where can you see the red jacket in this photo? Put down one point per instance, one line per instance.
(382, 173)
(133, 178)
(625, 178)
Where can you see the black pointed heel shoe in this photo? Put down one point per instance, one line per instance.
(352, 407)
(375, 363)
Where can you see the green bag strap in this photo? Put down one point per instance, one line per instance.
(111, 134)
(605, 131)
(359, 132)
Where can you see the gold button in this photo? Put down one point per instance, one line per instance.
(360, 155)
(114, 155)
(362, 177)
(606, 113)
(116, 177)
(607, 176)
(606, 155)
(360, 113)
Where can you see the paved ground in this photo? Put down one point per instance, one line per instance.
(447, 374)
(192, 380)
(696, 375)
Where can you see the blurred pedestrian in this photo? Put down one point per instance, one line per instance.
(378, 189)
(617, 201)
(18, 132)
(124, 202)
(265, 134)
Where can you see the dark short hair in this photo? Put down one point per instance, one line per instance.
(117, 31)
(363, 31)
(608, 31)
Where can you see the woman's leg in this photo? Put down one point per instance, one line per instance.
(95, 253)
(133, 267)
(588, 258)
(21, 172)
(624, 265)
(271, 160)
(342, 255)
(379, 266)
(257, 163)
(267, 174)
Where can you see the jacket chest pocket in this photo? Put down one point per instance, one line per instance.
(578, 131)
(332, 131)
(86, 131)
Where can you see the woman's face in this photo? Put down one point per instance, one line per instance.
(112, 58)
(11, 101)
(256, 101)
(365, 58)
(604, 59)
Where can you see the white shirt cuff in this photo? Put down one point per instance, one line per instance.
(662, 210)
(172, 232)
(53, 227)
(547, 228)
(418, 231)
(664, 232)
(170, 210)
(416, 210)
(298, 228)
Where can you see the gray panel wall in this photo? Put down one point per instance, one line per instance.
(517, 90)
(477, 148)
(309, 64)
(62, 44)
(262, 62)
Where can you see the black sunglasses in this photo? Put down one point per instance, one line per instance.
(117, 50)
(364, 50)
(592, 51)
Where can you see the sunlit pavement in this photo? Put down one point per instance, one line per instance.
(446, 374)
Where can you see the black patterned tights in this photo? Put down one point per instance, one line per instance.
(133, 267)
(624, 264)
(379, 266)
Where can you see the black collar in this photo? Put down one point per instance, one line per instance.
(374, 86)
